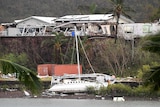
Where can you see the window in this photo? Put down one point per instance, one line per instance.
(128, 29)
(146, 29)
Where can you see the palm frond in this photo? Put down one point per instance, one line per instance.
(24, 75)
(153, 78)
(152, 44)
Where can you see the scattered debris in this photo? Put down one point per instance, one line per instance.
(102, 98)
(9, 89)
(118, 98)
(26, 93)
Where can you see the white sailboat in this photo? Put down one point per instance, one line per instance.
(79, 82)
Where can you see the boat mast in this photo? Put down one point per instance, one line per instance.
(77, 51)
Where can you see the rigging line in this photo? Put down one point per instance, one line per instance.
(86, 55)
(73, 51)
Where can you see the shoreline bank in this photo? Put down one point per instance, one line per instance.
(20, 94)
(13, 89)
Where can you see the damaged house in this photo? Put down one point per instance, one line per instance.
(31, 26)
(91, 25)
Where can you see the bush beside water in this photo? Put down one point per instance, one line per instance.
(124, 90)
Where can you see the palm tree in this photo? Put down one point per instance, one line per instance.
(152, 44)
(118, 9)
(24, 75)
(56, 43)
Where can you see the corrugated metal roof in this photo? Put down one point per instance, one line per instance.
(45, 19)
(49, 20)
(92, 17)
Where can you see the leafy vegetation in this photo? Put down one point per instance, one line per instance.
(118, 10)
(124, 90)
(152, 77)
(57, 43)
(20, 59)
(11, 10)
(24, 75)
(106, 57)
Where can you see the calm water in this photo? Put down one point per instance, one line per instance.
(24, 102)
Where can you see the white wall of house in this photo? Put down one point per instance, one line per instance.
(3, 33)
(33, 27)
(13, 32)
(135, 30)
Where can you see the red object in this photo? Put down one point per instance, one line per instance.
(60, 70)
(57, 70)
(45, 69)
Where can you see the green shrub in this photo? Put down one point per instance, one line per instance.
(3, 87)
(143, 70)
(141, 91)
(158, 93)
(124, 90)
(91, 90)
(102, 91)
(119, 89)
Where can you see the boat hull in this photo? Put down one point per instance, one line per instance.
(76, 87)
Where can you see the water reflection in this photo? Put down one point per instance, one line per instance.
(32, 102)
